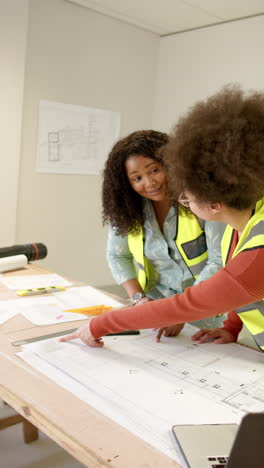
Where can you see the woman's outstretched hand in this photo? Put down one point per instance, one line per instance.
(85, 335)
(217, 335)
(173, 330)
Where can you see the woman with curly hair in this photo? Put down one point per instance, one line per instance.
(171, 248)
(216, 158)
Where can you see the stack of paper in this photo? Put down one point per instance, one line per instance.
(51, 309)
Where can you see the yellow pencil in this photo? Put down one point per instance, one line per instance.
(92, 310)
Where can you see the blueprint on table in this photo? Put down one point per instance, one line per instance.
(148, 387)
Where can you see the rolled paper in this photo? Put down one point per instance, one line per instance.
(13, 263)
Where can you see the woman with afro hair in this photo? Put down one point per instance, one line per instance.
(216, 158)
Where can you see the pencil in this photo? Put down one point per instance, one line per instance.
(92, 310)
(128, 332)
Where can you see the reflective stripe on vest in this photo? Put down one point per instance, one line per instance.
(252, 315)
(136, 247)
(190, 241)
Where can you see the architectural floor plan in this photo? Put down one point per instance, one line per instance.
(148, 387)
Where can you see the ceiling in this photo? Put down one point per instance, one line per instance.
(166, 17)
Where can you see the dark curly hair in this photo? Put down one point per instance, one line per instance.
(217, 150)
(121, 205)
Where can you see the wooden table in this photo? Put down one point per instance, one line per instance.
(89, 436)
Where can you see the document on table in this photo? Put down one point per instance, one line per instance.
(51, 309)
(147, 387)
(33, 281)
(39, 310)
(8, 310)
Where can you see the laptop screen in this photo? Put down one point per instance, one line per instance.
(223, 445)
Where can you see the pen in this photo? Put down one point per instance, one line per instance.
(128, 332)
(32, 292)
(92, 310)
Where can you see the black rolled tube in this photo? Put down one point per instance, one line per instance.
(35, 251)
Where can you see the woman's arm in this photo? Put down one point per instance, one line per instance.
(121, 263)
(227, 334)
(238, 284)
(213, 233)
(119, 258)
(233, 324)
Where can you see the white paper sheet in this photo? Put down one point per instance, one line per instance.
(74, 139)
(33, 281)
(149, 387)
(51, 309)
(86, 296)
(8, 310)
(47, 310)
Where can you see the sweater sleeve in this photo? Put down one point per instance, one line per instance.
(238, 284)
(233, 324)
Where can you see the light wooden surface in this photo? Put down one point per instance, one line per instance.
(89, 436)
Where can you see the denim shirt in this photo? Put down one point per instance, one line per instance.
(169, 273)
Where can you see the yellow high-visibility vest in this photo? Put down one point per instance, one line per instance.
(190, 240)
(252, 237)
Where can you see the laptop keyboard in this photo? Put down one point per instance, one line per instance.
(217, 462)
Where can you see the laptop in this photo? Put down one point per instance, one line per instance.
(223, 445)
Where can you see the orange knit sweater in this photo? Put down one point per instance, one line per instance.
(239, 283)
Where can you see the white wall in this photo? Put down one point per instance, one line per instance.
(78, 57)
(195, 64)
(13, 29)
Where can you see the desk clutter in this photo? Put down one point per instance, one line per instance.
(16, 257)
(61, 304)
(141, 385)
